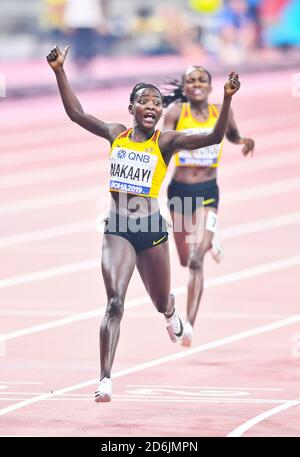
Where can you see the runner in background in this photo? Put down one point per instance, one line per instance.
(195, 176)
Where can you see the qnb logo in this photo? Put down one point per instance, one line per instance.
(2, 85)
(296, 85)
(296, 345)
(133, 156)
(139, 157)
(121, 154)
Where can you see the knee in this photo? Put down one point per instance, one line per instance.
(196, 262)
(115, 308)
(161, 306)
(184, 261)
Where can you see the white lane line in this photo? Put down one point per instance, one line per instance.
(262, 164)
(48, 233)
(40, 275)
(95, 168)
(277, 120)
(44, 150)
(260, 225)
(214, 391)
(50, 154)
(192, 399)
(262, 190)
(39, 312)
(65, 171)
(140, 314)
(267, 140)
(161, 360)
(2, 347)
(62, 198)
(239, 431)
(20, 382)
(249, 272)
(69, 320)
(228, 315)
(272, 389)
(38, 143)
(90, 264)
(153, 398)
(213, 282)
(258, 124)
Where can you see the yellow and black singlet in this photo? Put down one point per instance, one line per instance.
(203, 157)
(136, 168)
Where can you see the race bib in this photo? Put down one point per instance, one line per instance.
(132, 171)
(202, 157)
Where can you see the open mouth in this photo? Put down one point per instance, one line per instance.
(149, 117)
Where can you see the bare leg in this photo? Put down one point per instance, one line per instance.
(183, 248)
(154, 268)
(196, 278)
(192, 254)
(118, 262)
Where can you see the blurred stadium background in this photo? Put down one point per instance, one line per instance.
(115, 41)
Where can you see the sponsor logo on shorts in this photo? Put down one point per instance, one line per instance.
(158, 241)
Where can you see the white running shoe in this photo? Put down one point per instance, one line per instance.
(104, 391)
(175, 326)
(216, 251)
(187, 335)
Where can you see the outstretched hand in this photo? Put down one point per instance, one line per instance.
(248, 146)
(232, 85)
(56, 58)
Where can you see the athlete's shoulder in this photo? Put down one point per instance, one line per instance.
(172, 115)
(118, 131)
(175, 107)
(177, 103)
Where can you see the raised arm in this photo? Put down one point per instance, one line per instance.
(72, 105)
(172, 141)
(233, 135)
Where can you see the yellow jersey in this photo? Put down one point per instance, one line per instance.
(136, 168)
(208, 156)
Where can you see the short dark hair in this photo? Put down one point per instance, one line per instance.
(140, 86)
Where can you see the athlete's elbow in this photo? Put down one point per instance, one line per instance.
(75, 116)
(217, 138)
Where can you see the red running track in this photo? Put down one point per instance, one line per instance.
(241, 376)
